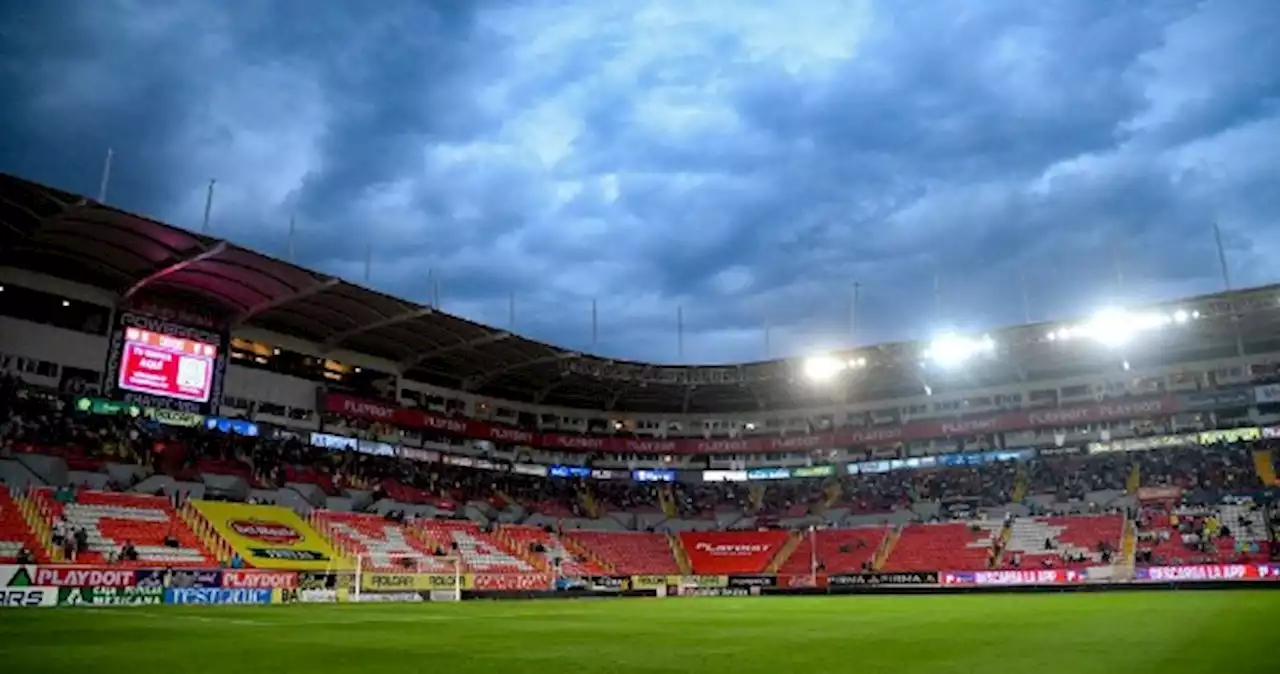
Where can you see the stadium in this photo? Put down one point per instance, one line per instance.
(194, 429)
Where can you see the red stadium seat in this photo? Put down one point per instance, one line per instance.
(628, 552)
(15, 534)
(838, 550)
(957, 546)
(111, 519)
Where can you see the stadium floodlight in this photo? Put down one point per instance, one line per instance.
(951, 351)
(825, 368)
(1117, 327)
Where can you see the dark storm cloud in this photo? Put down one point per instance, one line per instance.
(747, 161)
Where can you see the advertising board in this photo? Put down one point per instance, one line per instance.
(110, 596)
(864, 579)
(417, 582)
(1015, 577)
(1208, 572)
(216, 596)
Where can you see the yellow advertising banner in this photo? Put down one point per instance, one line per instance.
(413, 582)
(648, 582)
(270, 537)
(699, 581)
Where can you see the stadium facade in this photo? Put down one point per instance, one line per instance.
(186, 381)
(293, 345)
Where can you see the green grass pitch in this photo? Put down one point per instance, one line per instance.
(1107, 633)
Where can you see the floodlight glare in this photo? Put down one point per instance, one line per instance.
(823, 368)
(953, 351)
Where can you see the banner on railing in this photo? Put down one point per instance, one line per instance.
(1159, 493)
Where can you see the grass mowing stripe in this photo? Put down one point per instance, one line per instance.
(1112, 633)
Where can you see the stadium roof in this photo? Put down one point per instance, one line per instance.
(45, 229)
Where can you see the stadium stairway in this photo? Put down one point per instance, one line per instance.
(831, 494)
(215, 544)
(1265, 467)
(1134, 483)
(1021, 483)
(1003, 538)
(667, 499)
(589, 503)
(42, 534)
(785, 552)
(1128, 546)
(517, 539)
(16, 531)
(886, 548)
(682, 557)
(575, 547)
(755, 499)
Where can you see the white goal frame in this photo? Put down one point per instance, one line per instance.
(424, 566)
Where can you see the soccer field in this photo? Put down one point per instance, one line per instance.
(1138, 632)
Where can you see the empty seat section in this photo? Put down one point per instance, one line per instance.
(956, 546)
(572, 562)
(629, 552)
(479, 550)
(1070, 537)
(838, 550)
(382, 545)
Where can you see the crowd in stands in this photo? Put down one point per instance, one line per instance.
(37, 422)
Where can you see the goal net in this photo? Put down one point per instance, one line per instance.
(407, 578)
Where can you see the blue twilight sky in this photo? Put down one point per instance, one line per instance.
(746, 160)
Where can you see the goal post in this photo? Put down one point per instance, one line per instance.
(381, 577)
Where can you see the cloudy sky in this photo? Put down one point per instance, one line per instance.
(746, 160)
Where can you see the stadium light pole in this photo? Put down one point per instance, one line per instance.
(853, 313)
(1115, 265)
(208, 207)
(1226, 283)
(293, 230)
(431, 289)
(595, 323)
(768, 335)
(1026, 298)
(106, 177)
(937, 297)
(1222, 256)
(680, 333)
(511, 311)
(368, 262)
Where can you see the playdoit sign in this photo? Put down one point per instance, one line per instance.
(110, 596)
(17, 590)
